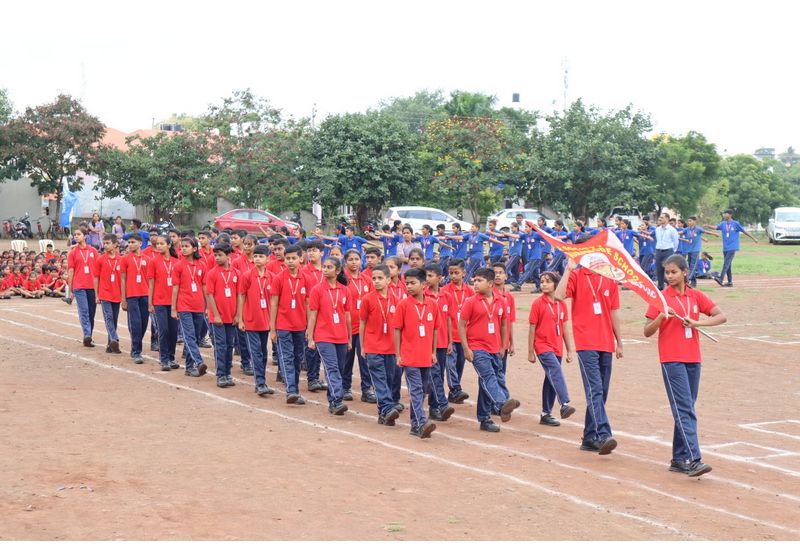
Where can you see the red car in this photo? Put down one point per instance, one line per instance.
(252, 220)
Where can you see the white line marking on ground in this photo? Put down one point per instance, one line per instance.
(757, 426)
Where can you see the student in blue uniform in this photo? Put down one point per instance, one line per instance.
(647, 247)
(476, 239)
(514, 256)
(694, 237)
(496, 249)
(389, 239)
(729, 229)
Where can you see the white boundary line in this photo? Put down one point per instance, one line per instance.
(756, 426)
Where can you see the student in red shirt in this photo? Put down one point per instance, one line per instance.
(222, 288)
(6, 290)
(679, 354)
(135, 290)
(376, 335)
(206, 251)
(254, 297)
(482, 329)
(415, 324)
(510, 318)
(312, 271)
(161, 272)
(108, 285)
(243, 264)
(287, 312)
(60, 286)
(189, 303)
(50, 255)
(330, 327)
(438, 407)
(459, 291)
(549, 330)
(372, 255)
(359, 286)
(277, 262)
(32, 286)
(594, 307)
(81, 261)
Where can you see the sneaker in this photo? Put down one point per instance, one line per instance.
(718, 280)
(204, 343)
(138, 359)
(399, 407)
(67, 301)
(317, 385)
(292, 398)
(87, 342)
(489, 426)
(389, 418)
(680, 466)
(300, 400)
(115, 347)
(263, 389)
(507, 408)
(606, 446)
(549, 420)
(424, 431)
(193, 372)
(201, 368)
(337, 410)
(446, 413)
(458, 397)
(515, 288)
(108, 349)
(348, 395)
(698, 468)
(174, 365)
(165, 367)
(590, 446)
(247, 371)
(368, 397)
(229, 380)
(434, 414)
(222, 382)
(154, 347)
(567, 411)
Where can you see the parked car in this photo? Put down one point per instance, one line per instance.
(508, 215)
(417, 216)
(784, 225)
(633, 216)
(251, 219)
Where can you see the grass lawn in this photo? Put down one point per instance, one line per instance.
(758, 259)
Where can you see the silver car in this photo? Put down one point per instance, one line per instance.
(784, 225)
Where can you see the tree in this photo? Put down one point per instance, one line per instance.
(589, 162)
(161, 172)
(6, 107)
(790, 157)
(754, 187)
(470, 104)
(364, 160)
(416, 111)
(52, 143)
(685, 167)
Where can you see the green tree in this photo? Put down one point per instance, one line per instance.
(589, 162)
(416, 111)
(161, 172)
(366, 161)
(754, 187)
(52, 143)
(6, 107)
(470, 104)
(685, 167)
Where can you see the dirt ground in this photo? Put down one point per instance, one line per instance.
(95, 447)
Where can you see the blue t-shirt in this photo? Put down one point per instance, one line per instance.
(390, 245)
(426, 243)
(626, 237)
(351, 243)
(533, 244)
(695, 237)
(460, 252)
(476, 241)
(730, 235)
(445, 252)
(545, 245)
(703, 267)
(556, 252)
(647, 247)
(496, 250)
(515, 245)
(143, 234)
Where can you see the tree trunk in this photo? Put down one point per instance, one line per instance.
(361, 214)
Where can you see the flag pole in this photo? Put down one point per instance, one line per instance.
(698, 329)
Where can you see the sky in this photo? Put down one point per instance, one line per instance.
(725, 69)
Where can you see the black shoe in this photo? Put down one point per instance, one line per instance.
(292, 398)
(435, 415)
(222, 382)
(115, 347)
(247, 371)
(138, 359)
(718, 280)
(399, 407)
(606, 446)
(229, 380)
(549, 420)
(108, 349)
(446, 413)
(193, 372)
(567, 411)
(279, 377)
(698, 468)
(368, 397)
(201, 368)
(489, 426)
(590, 446)
(68, 301)
(174, 365)
(87, 342)
(300, 400)
(316, 385)
(424, 431)
(337, 410)
(204, 343)
(348, 396)
(507, 408)
(389, 418)
(458, 397)
(728, 284)
(680, 466)
(154, 347)
(263, 389)
(165, 367)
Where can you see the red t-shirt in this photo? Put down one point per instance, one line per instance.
(397, 293)
(208, 258)
(255, 289)
(59, 284)
(50, 256)
(275, 266)
(292, 294)
(378, 328)
(442, 301)
(359, 287)
(189, 278)
(82, 261)
(673, 345)
(32, 286)
(135, 269)
(483, 322)
(243, 264)
(150, 252)
(549, 318)
(592, 331)
(109, 278)
(511, 312)
(312, 274)
(162, 273)
(331, 306)
(223, 285)
(46, 279)
(457, 298)
(416, 344)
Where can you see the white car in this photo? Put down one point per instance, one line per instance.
(505, 217)
(417, 216)
(784, 225)
(633, 216)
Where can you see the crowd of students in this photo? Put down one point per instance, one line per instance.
(423, 306)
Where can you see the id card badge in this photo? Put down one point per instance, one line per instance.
(490, 328)
(138, 278)
(169, 281)
(86, 269)
(263, 303)
(194, 287)
(385, 328)
(422, 331)
(688, 333)
(294, 303)
(598, 309)
(458, 315)
(335, 317)
(358, 304)
(227, 292)
(558, 329)
(113, 277)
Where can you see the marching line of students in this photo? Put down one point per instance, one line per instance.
(394, 324)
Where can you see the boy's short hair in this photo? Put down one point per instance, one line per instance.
(416, 273)
(440, 226)
(693, 218)
(241, 232)
(456, 225)
(225, 248)
(373, 251)
(261, 249)
(280, 241)
(501, 264)
(385, 228)
(291, 249)
(484, 273)
(433, 267)
(51, 246)
(110, 237)
(456, 262)
(135, 237)
(315, 244)
(204, 233)
(382, 268)
(137, 223)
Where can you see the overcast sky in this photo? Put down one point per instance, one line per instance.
(726, 69)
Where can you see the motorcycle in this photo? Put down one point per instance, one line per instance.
(22, 229)
(165, 226)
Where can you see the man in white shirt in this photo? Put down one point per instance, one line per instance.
(666, 245)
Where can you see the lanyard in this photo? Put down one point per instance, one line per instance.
(420, 315)
(397, 297)
(85, 257)
(137, 264)
(490, 314)
(113, 267)
(591, 287)
(380, 305)
(262, 282)
(167, 266)
(686, 309)
(463, 297)
(357, 280)
(293, 291)
(222, 274)
(557, 313)
(192, 269)
(316, 273)
(334, 301)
